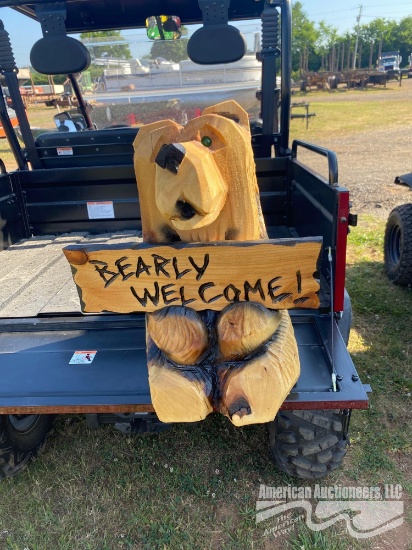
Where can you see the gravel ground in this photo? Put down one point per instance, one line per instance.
(369, 161)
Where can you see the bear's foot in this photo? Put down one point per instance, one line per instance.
(252, 390)
(181, 390)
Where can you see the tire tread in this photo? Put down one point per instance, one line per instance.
(307, 457)
(400, 272)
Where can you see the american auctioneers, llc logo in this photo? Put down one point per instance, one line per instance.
(367, 511)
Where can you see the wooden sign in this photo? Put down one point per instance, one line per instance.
(279, 274)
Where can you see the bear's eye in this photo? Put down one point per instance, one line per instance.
(206, 141)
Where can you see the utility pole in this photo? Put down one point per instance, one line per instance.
(357, 36)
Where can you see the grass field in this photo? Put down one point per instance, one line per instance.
(196, 486)
(345, 112)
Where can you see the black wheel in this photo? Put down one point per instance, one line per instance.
(308, 444)
(398, 245)
(22, 437)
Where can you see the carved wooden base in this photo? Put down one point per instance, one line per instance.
(244, 362)
(253, 391)
(198, 184)
(179, 395)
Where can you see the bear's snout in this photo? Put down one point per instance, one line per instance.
(185, 210)
(190, 191)
(170, 157)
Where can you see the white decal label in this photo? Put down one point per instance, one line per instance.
(82, 357)
(62, 151)
(99, 210)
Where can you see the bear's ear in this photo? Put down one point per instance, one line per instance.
(163, 136)
(153, 131)
(229, 109)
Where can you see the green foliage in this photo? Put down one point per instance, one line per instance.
(175, 50)
(95, 71)
(311, 42)
(304, 35)
(40, 79)
(112, 44)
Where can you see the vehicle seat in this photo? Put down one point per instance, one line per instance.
(108, 147)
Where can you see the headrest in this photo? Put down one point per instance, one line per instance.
(59, 54)
(216, 44)
(217, 41)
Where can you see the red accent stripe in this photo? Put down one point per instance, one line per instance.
(315, 405)
(340, 253)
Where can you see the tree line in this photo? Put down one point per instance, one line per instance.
(319, 46)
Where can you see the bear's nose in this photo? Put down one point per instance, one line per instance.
(185, 209)
(170, 157)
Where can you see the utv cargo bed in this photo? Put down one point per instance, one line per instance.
(42, 327)
(35, 277)
(38, 353)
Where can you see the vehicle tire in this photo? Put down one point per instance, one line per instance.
(398, 245)
(22, 437)
(308, 444)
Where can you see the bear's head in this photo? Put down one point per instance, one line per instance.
(198, 182)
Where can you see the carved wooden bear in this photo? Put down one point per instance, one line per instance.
(198, 183)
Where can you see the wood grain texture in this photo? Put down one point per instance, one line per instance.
(276, 273)
(248, 390)
(163, 325)
(216, 182)
(244, 327)
(253, 391)
(179, 393)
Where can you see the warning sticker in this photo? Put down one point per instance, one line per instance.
(82, 357)
(61, 151)
(99, 210)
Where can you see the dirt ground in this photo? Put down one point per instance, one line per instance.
(370, 160)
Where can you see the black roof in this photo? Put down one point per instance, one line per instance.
(99, 15)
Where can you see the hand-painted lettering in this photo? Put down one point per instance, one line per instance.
(107, 275)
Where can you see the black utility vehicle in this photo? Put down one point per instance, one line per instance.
(77, 184)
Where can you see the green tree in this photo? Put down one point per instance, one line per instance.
(110, 44)
(404, 38)
(40, 79)
(171, 50)
(304, 37)
(327, 39)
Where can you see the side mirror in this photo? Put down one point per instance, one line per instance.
(70, 121)
(163, 27)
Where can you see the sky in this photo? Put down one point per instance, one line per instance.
(340, 13)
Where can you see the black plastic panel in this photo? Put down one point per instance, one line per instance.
(57, 198)
(11, 224)
(110, 147)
